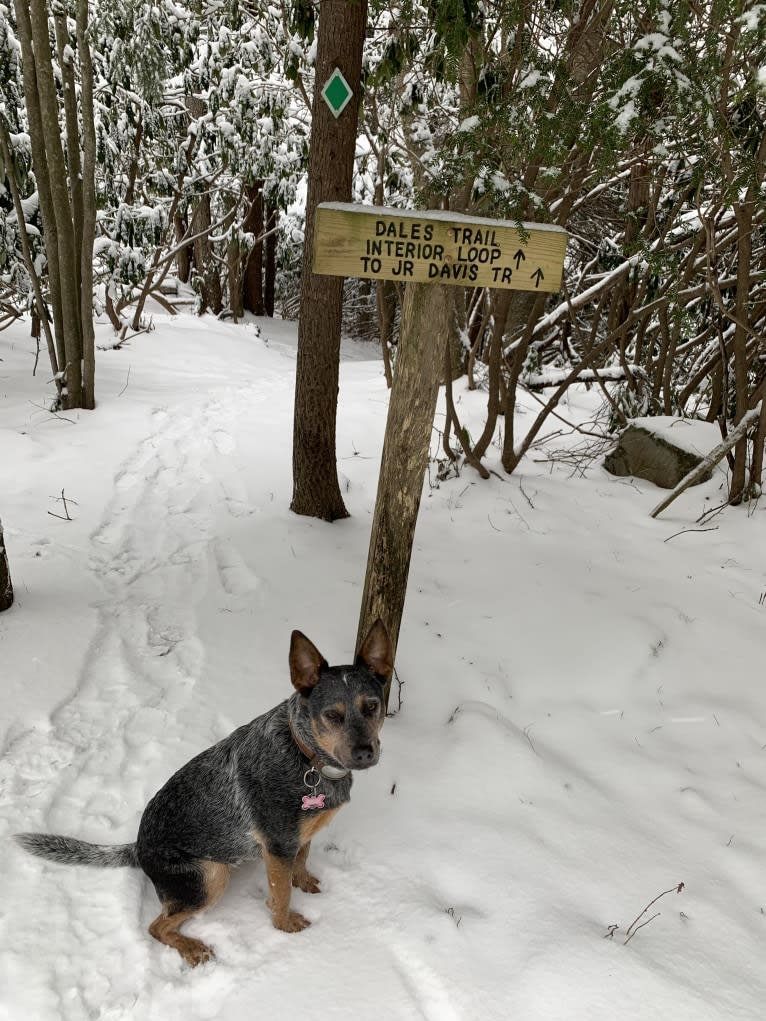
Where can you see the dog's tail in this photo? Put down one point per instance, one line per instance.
(70, 851)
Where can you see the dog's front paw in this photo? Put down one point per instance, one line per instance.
(194, 951)
(293, 922)
(306, 882)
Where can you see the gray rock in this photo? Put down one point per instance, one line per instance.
(646, 455)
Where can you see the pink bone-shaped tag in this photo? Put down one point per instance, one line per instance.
(312, 801)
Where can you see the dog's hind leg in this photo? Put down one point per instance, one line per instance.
(183, 895)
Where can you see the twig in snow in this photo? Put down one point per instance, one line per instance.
(633, 928)
(526, 735)
(529, 501)
(66, 509)
(53, 412)
(714, 528)
(650, 919)
(457, 919)
(127, 380)
(705, 516)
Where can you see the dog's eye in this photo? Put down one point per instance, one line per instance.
(371, 707)
(333, 716)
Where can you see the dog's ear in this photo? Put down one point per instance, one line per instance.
(305, 663)
(375, 651)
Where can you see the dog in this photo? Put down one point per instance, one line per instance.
(265, 790)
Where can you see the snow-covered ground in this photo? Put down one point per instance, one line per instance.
(583, 720)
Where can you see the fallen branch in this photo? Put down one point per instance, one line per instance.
(713, 528)
(553, 377)
(712, 459)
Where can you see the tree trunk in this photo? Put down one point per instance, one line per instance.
(385, 302)
(425, 328)
(206, 268)
(524, 312)
(270, 267)
(184, 256)
(6, 588)
(88, 202)
(316, 491)
(65, 183)
(501, 307)
(234, 267)
(252, 277)
(40, 164)
(755, 484)
(69, 262)
(72, 134)
(458, 358)
(744, 214)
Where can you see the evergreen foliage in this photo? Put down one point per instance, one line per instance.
(639, 127)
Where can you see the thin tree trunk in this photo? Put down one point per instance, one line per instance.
(755, 484)
(42, 175)
(744, 212)
(744, 249)
(458, 359)
(316, 490)
(502, 306)
(184, 257)
(252, 277)
(385, 303)
(454, 421)
(234, 266)
(88, 200)
(527, 308)
(270, 264)
(130, 191)
(205, 265)
(72, 135)
(54, 155)
(425, 328)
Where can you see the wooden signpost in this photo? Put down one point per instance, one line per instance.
(437, 248)
(428, 251)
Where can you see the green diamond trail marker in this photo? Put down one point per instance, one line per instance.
(337, 93)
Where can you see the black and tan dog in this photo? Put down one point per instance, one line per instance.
(266, 789)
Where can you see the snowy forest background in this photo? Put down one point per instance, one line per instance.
(175, 135)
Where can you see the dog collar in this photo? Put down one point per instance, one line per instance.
(328, 772)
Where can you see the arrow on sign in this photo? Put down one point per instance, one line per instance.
(519, 257)
(537, 276)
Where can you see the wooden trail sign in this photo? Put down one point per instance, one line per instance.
(421, 249)
(437, 247)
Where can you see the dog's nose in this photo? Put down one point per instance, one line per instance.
(363, 755)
